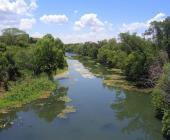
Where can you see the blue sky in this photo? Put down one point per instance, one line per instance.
(79, 21)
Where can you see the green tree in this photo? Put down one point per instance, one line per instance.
(14, 36)
(8, 68)
(160, 34)
(161, 99)
(3, 71)
(48, 58)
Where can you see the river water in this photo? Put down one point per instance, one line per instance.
(92, 111)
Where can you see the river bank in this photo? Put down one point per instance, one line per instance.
(85, 107)
(111, 77)
(28, 90)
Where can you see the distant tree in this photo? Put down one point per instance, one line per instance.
(33, 40)
(22, 40)
(14, 36)
(159, 32)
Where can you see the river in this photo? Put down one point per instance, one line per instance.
(83, 108)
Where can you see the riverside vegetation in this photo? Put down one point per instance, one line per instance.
(28, 64)
(26, 67)
(144, 62)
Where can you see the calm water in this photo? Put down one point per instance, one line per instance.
(102, 113)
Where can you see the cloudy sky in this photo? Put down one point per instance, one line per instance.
(78, 20)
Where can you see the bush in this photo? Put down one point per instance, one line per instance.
(166, 124)
(48, 57)
(161, 97)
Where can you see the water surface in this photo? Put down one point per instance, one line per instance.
(102, 113)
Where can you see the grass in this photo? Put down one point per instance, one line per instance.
(26, 91)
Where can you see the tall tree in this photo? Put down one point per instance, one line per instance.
(13, 36)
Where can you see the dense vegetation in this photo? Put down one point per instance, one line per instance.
(23, 60)
(143, 60)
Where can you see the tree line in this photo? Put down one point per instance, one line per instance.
(144, 60)
(22, 55)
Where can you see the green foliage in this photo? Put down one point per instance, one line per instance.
(19, 53)
(20, 58)
(141, 59)
(48, 56)
(134, 67)
(132, 54)
(3, 71)
(161, 99)
(26, 91)
(103, 55)
(2, 47)
(24, 58)
(14, 36)
(160, 32)
(8, 69)
(166, 123)
(22, 40)
(158, 102)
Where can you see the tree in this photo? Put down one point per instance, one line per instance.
(160, 34)
(134, 67)
(3, 71)
(2, 47)
(161, 99)
(141, 53)
(8, 68)
(14, 36)
(48, 58)
(22, 40)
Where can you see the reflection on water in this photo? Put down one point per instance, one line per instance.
(84, 109)
(138, 112)
(46, 109)
(6, 120)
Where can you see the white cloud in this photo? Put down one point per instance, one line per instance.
(84, 37)
(37, 35)
(33, 5)
(26, 23)
(138, 26)
(89, 20)
(58, 19)
(158, 17)
(13, 11)
(132, 27)
(17, 6)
